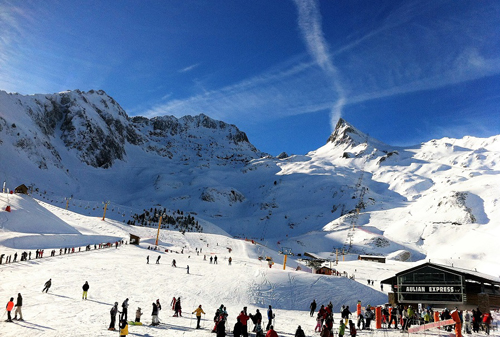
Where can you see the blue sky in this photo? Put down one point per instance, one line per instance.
(283, 71)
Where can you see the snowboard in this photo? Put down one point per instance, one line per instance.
(134, 323)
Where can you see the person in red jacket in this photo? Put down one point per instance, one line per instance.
(271, 332)
(9, 307)
(243, 319)
(487, 321)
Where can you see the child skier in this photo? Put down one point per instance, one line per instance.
(9, 307)
(138, 314)
(318, 323)
(352, 329)
(341, 328)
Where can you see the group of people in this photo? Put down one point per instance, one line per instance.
(10, 306)
(25, 256)
(324, 318)
(240, 328)
(402, 315)
(475, 319)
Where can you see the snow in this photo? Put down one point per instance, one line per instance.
(115, 274)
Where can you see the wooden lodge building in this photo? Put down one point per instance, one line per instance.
(443, 286)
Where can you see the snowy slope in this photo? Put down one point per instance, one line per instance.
(116, 274)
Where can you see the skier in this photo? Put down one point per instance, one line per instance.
(487, 322)
(256, 319)
(47, 286)
(221, 328)
(270, 317)
(156, 321)
(361, 321)
(187, 269)
(319, 318)
(85, 289)
(9, 307)
(258, 330)
(19, 304)
(352, 329)
(324, 332)
(329, 322)
(147, 259)
(123, 328)
(271, 332)
(394, 317)
(173, 263)
(322, 315)
(312, 307)
(124, 310)
(211, 259)
(405, 316)
(299, 332)
(237, 328)
(368, 317)
(230, 260)
(158, 259)
(476, 319)
(178, 308)
(243, 318)
(138, 314)
(113, 313)
(466, 322)
(215, 259)
(341, 328)
(198, 311)
(173, 303)
(345, 313)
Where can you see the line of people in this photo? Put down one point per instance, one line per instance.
(25, 256)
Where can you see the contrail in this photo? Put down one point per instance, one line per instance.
(310, 26)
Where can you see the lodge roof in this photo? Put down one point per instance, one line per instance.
(470, 275)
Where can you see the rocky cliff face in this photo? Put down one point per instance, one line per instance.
(92, 127)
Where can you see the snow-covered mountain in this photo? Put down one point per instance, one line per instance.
(354, 193)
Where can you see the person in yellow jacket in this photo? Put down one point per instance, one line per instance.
(123, 328)
(198, 311)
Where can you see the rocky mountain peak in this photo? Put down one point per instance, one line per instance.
(346, 134)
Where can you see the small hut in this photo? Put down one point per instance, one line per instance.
(324, 271)
(21, 189)
(134, 239)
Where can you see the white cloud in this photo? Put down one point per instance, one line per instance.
(189, 68)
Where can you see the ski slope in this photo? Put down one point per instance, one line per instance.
(115, 274)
